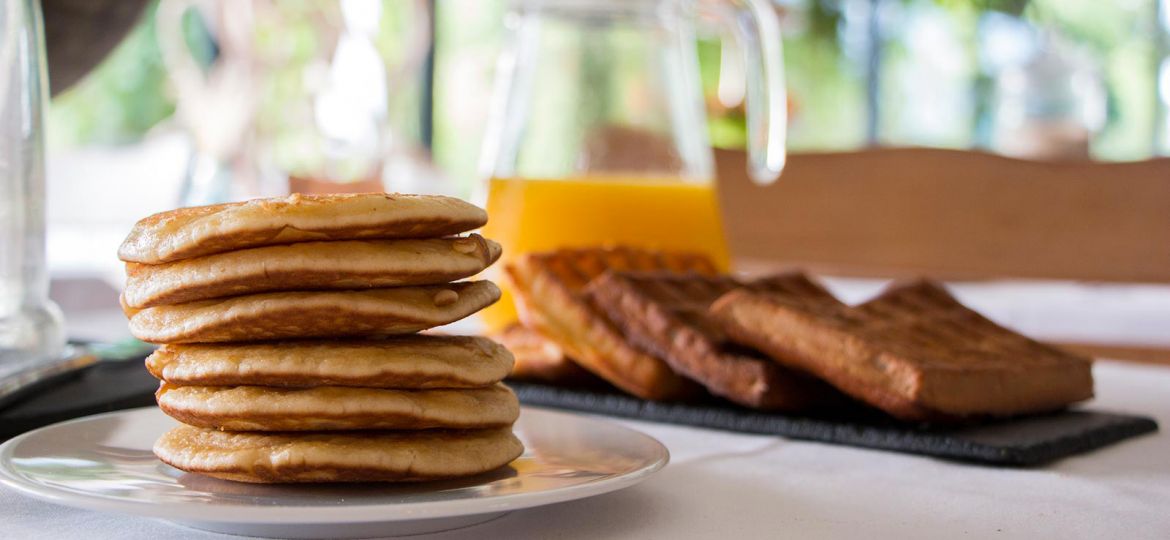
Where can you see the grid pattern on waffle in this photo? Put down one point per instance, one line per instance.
(688, 296)
(913, 351)
(575, 268)
(920, 321)
(551, 289)
(666, 314)
(923, 324)
(538, 358)
(684, 298)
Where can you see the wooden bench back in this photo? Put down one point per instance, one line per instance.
(953, 215)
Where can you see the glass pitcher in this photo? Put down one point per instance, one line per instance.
(598, 133)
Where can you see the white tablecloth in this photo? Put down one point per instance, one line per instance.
(724, 485)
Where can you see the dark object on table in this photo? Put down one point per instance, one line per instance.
(20, 380)
(1025, 441)
(102, 387)
(80, 33)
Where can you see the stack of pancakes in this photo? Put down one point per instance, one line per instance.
(667, 326)
(289, 339)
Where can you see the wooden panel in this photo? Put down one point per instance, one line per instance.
(953, 215)
(1128, 353)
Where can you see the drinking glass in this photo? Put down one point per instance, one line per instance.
(31, 327)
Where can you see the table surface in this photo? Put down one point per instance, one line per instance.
(719, 484)
(727, 485)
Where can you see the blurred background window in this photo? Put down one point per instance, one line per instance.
(264, 94)
(1042, 78)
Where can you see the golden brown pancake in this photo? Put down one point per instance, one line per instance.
(334, 408)
(293, 315)
(192, 232)
(402, 456)
(416, 362)
(352, 264)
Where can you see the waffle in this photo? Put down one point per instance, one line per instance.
(914, 352)
(204, 230)
(539, 359)
(379, 456)
(413, 362)
(550, 296)
(353, 264)
(304, 314)
(665, 314)
(332, 408)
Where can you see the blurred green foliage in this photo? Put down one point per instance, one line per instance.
(1121, 35)
(128, 94)
(121, 100)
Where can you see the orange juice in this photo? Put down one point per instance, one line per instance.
(528, 215)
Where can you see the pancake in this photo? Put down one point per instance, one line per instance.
(339, 456)
(353, 264)
(292, 315)
(191, 232)
(333, 408)
(400, 362)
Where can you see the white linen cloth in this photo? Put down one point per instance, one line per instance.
(727, 485)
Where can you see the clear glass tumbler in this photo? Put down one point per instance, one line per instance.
(31, 326)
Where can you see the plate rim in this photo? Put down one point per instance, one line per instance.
(367, 513)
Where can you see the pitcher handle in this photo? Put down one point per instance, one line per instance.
(757, 29)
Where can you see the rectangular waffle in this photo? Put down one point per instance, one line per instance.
(665, 314)
(549, 289)
(914, 352)
(539, 359)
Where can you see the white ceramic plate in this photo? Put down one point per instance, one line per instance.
(104, 462)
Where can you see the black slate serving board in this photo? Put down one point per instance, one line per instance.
(102, 387)
(1028, 441)
(1019, 442)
